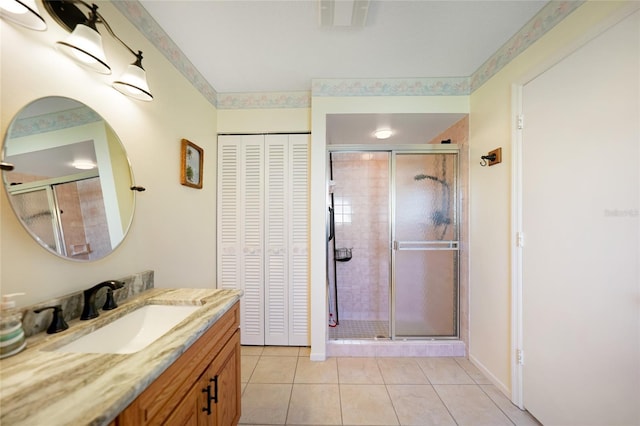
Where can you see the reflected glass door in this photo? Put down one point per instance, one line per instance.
(425, 245)
(37, 209)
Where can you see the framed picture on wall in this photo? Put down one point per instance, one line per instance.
(191, 156)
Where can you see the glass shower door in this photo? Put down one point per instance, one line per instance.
(36, 208)
(425, 246)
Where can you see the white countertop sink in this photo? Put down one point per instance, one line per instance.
(131, 332)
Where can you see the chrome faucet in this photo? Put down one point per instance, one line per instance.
(89, 310)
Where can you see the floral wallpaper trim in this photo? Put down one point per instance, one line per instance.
(264, 100)
(54, 121)
(547, 18)
(550, 15)
(457, 86)
(140, 18)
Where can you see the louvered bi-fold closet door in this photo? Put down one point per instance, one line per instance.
(241, 228)
(298, 207)
(286, 240)
(263, 234)
(276, 240)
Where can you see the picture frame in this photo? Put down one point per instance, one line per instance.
(191, 156)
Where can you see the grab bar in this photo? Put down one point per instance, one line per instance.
(426, 245)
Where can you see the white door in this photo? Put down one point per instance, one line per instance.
(298, 207)
(286, 239)
(241, 228)
(580, 291)
(263, 234)
(276, 240)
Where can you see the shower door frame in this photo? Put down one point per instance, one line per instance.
(410, 149)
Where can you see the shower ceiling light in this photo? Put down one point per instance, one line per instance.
(383, 133)
(84, 164)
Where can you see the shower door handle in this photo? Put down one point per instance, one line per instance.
(332, 225)
(426, 245)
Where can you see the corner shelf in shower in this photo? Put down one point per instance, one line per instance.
(343, 254)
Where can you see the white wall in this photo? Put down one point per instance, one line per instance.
(283, 120)
(173, 230)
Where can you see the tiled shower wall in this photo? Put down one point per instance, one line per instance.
(361, 205)
(459, 135)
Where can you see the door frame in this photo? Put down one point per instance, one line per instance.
(516, 248)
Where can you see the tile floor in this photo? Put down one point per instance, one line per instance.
(281, 386)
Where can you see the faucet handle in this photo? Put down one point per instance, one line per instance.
(109, 302)
(58, 323)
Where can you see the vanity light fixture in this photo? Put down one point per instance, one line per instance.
(84, 45)
(23, 12)
(383, 133)
(133, 82)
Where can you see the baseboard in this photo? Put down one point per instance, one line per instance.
(318, 357)
(497, 383)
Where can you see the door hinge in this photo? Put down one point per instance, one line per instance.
(520, 357)
(519, 239)
(520, 121)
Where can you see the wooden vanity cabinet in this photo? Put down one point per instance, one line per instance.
(214, 399)
(202, 387)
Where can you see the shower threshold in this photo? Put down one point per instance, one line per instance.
(395, 348)
(360, 329)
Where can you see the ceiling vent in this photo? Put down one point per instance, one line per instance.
(343, 13)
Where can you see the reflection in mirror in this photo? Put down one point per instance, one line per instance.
(70, 186)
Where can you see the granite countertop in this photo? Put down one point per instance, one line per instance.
(41, 387)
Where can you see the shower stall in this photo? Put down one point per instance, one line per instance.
(393, 266)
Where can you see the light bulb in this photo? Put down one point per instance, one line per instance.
(383, 133)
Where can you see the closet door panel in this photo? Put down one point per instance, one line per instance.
(252, 239)
(298, 240)
(229, 271)
(276, 240)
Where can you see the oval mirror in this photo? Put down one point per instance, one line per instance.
(71, 182)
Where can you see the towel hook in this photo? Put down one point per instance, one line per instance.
(492, 158)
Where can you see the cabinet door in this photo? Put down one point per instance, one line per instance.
(188, 412)
(223, 381)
